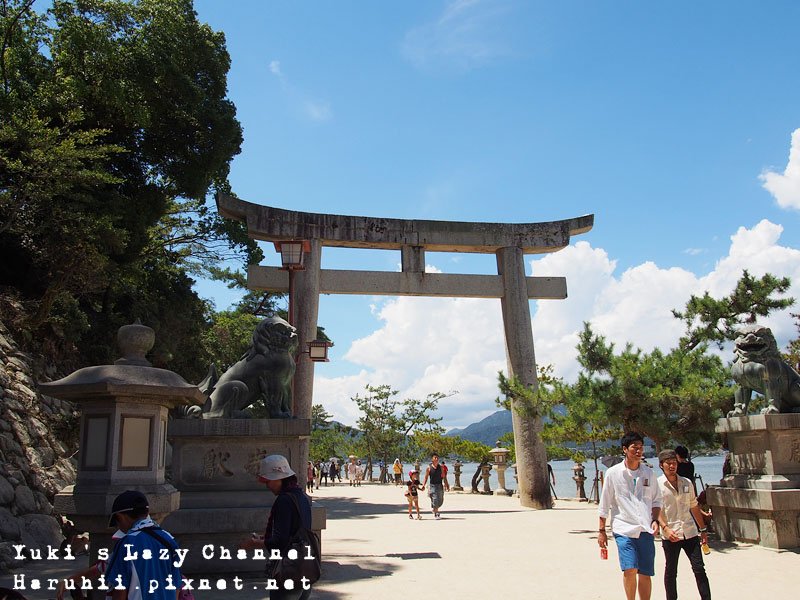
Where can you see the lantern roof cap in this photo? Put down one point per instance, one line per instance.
(116, 380)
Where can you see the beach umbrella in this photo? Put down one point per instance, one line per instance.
(610, 461)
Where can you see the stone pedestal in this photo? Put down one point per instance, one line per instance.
(215, 467)
(759, 501)
(501, 482)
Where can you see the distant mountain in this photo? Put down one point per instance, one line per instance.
(492, 428)
(487, 431)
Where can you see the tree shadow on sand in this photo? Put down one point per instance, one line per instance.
(336, 576)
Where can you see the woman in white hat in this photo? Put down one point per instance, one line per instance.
(285, 517)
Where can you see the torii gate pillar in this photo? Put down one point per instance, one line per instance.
(306, 309)
(521, 362)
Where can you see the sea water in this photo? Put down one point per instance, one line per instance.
(709, 468)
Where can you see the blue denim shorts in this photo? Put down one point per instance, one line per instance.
(637, 553)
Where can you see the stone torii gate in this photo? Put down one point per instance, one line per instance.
(508, 241)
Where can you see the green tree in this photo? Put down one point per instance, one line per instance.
(710, 320)
(529, 403)
(327, 443)
(320, 418)
(674, 396)
(472, 451)
(115, 129)
(792, 354)
(387, 424)
(586, 419)
(228, 336)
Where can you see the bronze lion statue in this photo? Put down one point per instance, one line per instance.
(264, 372)
(760, 368)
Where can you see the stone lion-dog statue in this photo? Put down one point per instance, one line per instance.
(760, 368)
(265, 372)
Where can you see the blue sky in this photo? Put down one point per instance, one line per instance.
(672, 124)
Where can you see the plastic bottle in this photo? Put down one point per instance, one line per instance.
(706, 549)
(603, 553)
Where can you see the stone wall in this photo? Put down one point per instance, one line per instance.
(33, 464)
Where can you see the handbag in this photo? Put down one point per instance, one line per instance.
(303, 542)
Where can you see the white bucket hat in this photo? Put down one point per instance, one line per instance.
(274, 467)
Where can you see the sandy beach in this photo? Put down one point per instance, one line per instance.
(487, 547)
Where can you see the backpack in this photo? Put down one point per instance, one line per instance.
(302, 543)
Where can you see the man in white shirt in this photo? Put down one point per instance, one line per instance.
(632, 498)
(679, 530)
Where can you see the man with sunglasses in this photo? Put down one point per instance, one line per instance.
(632, 498)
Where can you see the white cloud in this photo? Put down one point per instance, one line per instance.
(432, 344)
(785, 187)
(694, 251)
(315, 110)
(318, 111)
(466, 35)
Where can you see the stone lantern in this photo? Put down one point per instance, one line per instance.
(500, 456)
(579, 478)
(123, 433)
(457, 474)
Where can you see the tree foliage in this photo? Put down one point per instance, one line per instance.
(328, 438)
(792, 354)
(387, 424)
(586, 419)
(674, 396)
(710, 320)
(116, 128)
(528, 402)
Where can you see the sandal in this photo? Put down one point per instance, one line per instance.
(410, 517)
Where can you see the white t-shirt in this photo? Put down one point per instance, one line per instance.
(677, 507)
(629, 498)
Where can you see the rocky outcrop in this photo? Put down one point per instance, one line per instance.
(34, 464)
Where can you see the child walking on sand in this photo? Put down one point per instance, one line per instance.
(411, 495)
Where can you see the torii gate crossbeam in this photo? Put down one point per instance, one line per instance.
(508, 241)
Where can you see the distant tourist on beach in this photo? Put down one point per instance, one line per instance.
(552, 480)
(351, 471)
(438, 478)
(397, 469)
(411, 493)
(678, 529)
(685, 466)
(310, 477)
(632, 498)
(324, 470)
(359, 473)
